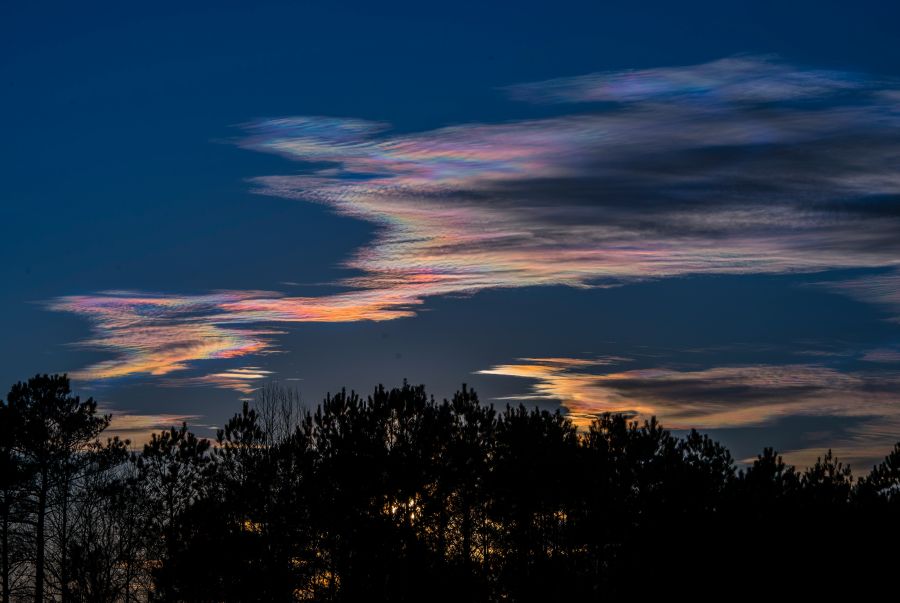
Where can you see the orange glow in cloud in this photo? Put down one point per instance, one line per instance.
(138, 427)
(720, 397)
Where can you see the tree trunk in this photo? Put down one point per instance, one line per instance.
(467, 534)
(64, 545)
(5, 555)
(39, 542)
(442, 529)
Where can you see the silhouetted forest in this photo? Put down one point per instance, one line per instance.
(398, 497)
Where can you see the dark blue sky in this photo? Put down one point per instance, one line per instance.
(718, 164)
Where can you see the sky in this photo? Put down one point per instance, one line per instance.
(689, 210)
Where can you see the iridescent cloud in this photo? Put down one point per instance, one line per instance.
(737, 79)
(245, 379)
(739, 166)
(722, 397)
(137, 427)
(159, 334)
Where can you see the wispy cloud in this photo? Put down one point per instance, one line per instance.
(882, 289)
(137, 427)
(736, 79)
(739, 166)
(882, 355)
(158, 334)
(722, 397)
(245, 380)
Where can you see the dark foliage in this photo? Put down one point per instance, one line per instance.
(398, 497)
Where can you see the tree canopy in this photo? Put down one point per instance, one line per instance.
(399, 497)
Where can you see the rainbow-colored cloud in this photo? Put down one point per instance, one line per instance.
(743, 165)
(722, 397)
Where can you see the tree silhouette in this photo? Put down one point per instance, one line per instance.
(171, 477)
(13, 480)
(55, 430)
(883, 483)
(398, 497)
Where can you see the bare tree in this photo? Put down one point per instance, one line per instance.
(279, 409)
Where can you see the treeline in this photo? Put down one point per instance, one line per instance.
(398, 497)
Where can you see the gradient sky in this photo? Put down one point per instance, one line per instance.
(683, 209)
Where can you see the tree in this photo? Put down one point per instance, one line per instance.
(396, 496)
(100, 547)
(13, 478)
(828, 483)
(465, 538)
(535, 453)
(883, 483)
(55, 430)
(172, 475)
(769, 481)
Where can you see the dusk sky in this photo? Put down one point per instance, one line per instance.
(689, 210)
